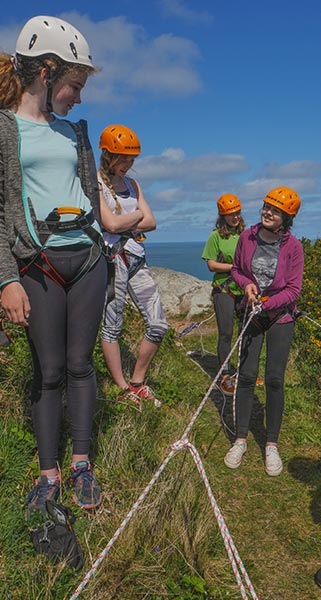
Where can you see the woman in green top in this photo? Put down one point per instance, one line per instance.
(219, 253)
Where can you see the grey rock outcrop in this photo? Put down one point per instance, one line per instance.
(182, 293)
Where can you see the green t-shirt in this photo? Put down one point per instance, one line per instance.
(217, 247)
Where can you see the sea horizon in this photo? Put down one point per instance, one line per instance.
(184, 257)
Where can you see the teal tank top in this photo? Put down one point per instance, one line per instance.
(49, 161)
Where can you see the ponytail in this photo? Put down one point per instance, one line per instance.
(10, 83)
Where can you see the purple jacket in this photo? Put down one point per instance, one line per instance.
(286, 285)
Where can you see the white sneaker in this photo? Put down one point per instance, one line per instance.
(233, 457)
(273, 461)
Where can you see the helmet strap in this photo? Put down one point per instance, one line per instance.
(49, 106)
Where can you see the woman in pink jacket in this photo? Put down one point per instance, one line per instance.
(268, 263)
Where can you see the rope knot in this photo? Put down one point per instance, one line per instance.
(180, 444)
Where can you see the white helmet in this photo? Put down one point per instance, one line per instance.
(49, 35)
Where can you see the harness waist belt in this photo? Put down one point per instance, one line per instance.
(84, 221)
(52, 223)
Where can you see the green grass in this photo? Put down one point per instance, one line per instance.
(172, 547)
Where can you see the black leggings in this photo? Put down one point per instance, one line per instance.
(278, 342)
(62, 334)
(224, 306)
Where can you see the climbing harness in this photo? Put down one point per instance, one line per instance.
(53, 225)
(224, 287)
(56, 537)
(82, 221)
(119, 249)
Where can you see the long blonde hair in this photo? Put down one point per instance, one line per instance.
(106, 170)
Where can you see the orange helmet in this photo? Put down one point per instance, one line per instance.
(228, 203)
(285, 199)
(119, 139)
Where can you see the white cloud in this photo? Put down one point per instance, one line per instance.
(133, 63)
(177, 154)
(294, 169)
(179, 9)
(202, 171)
(183, 191)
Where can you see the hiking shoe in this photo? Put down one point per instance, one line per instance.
(87, 492)
(144, 392)
(233, 457)
(42, 491)
(227, 385)
(259, 381)
(129, 397)
(273, 461)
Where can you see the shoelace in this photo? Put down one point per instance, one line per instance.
(87, 475)
(39, 493)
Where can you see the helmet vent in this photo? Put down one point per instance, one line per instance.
(62, 27)
(32, 41)
(73, 49)
(46, 23)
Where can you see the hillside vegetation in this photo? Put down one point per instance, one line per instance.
(172, 547)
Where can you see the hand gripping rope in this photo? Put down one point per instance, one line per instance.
(236, 562)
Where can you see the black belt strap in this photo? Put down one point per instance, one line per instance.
(83, 221)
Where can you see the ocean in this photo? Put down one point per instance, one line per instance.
(179, 256)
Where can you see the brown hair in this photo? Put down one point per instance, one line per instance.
(225, 231)
(18, 72)
(106, 170)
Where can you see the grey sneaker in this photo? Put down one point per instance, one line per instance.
(233, 457)
(273, 461)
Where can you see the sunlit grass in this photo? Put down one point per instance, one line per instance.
(172, 547)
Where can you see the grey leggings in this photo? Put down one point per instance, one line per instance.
(135, 278)
(224, 307)
(62, 334)
(278, 342)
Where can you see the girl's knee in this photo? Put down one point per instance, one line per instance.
(273, 382)
(49, 377)
(156, 332)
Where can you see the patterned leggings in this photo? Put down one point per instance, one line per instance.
(135, 278)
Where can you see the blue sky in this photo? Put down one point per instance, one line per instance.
(224, 96)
